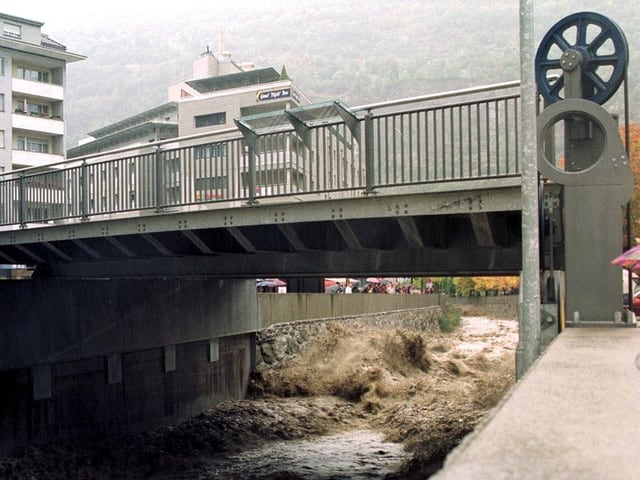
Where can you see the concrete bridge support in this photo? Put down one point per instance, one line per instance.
(98, 357)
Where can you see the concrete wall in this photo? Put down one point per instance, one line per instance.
(53, 320)
(82, 358)
(277, 308)
(87, 399)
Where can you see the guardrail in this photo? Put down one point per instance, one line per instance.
(410, 141)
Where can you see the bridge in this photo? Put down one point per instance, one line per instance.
(144, 260)
(420, 185)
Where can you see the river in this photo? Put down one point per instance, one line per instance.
(353, 455)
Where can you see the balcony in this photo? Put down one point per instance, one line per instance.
(35, 123)
(37, 89)
(23, 158)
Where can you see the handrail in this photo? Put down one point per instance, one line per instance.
(438, 96)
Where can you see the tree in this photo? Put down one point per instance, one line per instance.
(484, 285)
(634, 159)
(465, 286)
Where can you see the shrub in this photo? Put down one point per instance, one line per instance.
(449, 319)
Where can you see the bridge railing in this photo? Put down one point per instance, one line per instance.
(410, 141)
(457, 141)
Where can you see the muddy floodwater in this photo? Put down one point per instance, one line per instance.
(353, 455)
(360, 403)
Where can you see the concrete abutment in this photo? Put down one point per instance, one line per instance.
(81, 358)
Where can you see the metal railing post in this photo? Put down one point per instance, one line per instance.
(368, 153)
(252, 175)
(160, 183)
(22, 207)
(84, 192)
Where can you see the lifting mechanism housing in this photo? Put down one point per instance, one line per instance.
(586, 177)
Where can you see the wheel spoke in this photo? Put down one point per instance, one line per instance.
(560, 41)
(581, 37)
(550, 64)
(557, 86)
(597, 81)
(597, 42)
(605, 60)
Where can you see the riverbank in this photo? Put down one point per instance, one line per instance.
(424, 390)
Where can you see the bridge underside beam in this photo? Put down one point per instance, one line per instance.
(453, 233)
(456, 254)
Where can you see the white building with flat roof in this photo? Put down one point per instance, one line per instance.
(218, 91)
(32, 92)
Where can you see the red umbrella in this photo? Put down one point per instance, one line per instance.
(271, 282)
(629, 259)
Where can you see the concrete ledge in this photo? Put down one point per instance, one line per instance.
(576, 414)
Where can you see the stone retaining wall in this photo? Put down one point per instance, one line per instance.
(280, 342)
(500, 306)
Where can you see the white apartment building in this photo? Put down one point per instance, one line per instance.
(32, 86)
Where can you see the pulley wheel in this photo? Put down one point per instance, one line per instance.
(588, 40)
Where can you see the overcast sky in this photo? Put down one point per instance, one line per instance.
(59, 16)
(71, 15)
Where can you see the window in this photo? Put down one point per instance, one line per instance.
(33, 145)
(33, 75)
(2, 66)
(1, 102)
(211, 119)
(211, 151)
(211, 183)
(211, 188)
(12, 30)
(37, 109)
(1, 138)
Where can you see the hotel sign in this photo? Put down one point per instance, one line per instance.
(276, 94)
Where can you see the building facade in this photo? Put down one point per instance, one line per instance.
(32, 86)
(212, 98)
(218, 91)
(184, 151)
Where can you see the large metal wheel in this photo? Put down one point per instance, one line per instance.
(587, 40)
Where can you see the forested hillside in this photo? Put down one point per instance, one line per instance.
(358, 52)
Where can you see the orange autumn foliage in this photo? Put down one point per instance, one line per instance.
(634, 157)
(496, 284)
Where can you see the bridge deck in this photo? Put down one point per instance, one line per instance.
(576, 414)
